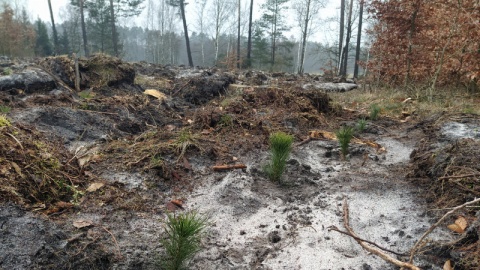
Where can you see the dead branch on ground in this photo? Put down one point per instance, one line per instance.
(229, 167)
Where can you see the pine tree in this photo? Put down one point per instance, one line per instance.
(274, 24)
(181, 4)
(43, 47)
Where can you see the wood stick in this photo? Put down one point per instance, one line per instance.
(370, 249)
(229, 167)
(334, 228)
(77, 73)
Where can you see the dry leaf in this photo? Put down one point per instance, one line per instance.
(448, 265)
(155, 93)
(459, 226)
(63, 205)
(17, 169)
(81, 223)
(170, 127)
(95, 186)
(178, 203)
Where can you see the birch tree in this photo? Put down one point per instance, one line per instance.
(305, 11)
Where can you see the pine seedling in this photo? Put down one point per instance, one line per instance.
(280, 148)
(184, 234)
(344, 135)
(361, 125)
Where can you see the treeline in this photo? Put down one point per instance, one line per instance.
(431, 42)
(218, 36)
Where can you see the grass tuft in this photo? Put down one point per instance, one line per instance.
(184, 141)
(344, 135)
(184, 234)
(280, 148)
(374, 112)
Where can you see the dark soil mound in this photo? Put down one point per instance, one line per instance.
(97, 71)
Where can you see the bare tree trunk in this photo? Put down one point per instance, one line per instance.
(359, 39)
(187, 40)
(340, 37)
(114, 30)
(274, 36)
(410, 44)
(249, 45)
(84, 31)
(238, 37)
(304, 37)
(343, 73)
(54, 29)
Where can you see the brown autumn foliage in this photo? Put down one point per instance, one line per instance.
(436, 42)
(17, 35)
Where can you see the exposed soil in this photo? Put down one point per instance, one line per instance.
(88, 177)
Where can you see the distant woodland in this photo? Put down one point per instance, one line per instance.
(428, 42)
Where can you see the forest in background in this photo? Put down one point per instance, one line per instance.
(407, 41)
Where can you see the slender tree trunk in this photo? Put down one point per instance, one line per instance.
(340, 37)
(238, 37)
(187, 40)
(114, 30)
(84, 31)
(359, 39)
(304, 37)
(249, 45)
(410, 42)
(274, 36)
(54, 29)
(347, 40)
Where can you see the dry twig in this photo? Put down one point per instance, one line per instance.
(229, 167)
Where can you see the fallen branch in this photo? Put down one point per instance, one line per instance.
(370, 249)
(334, 228)
(229, 167)
(419, 242)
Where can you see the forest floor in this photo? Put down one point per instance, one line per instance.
(88, 177)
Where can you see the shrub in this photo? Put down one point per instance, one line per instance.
(344, 135)
(280, 148)
(374, 111)
(184, 234)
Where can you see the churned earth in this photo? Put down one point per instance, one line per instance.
(87, 178)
